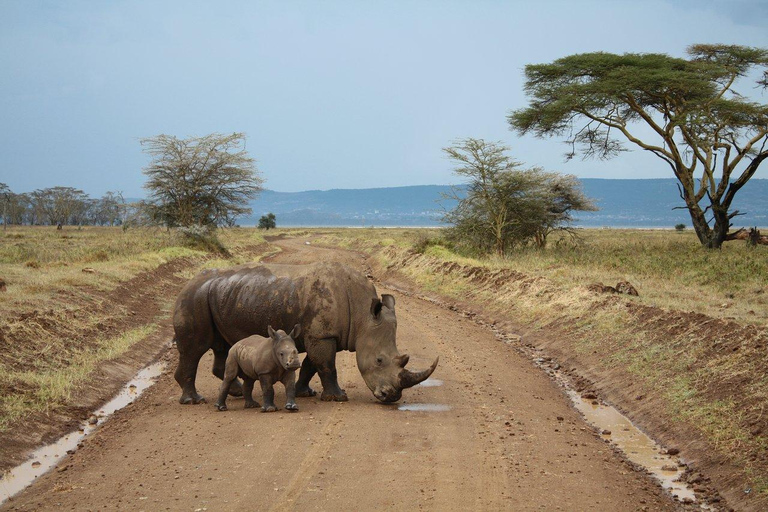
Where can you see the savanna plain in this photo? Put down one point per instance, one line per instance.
(82, 310)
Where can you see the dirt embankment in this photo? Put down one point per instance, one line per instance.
(719, 363)
(139, 301)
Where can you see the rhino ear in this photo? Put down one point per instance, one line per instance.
(296, 332)
(376, 305)
(388, 301)
(271, 332)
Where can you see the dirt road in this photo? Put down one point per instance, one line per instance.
(505, 438)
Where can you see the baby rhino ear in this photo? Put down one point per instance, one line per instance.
(388, 301)
(296, 332)
(271, 332)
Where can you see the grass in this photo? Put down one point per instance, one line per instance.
(49, 387)
(669, 268)
(53, 311)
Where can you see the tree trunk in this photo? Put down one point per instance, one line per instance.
(710, 237)
(699, 222)
(720, 229)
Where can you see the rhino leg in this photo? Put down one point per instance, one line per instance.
(306, 373)
(250, 403)
(186, 373)
(323, 355)
(268, 393)
(219, 361)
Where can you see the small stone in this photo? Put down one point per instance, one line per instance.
(89, 270)
(606, 432)
(626, 288)
(93, 420)
(589, 395)
(560, 418)
(673, 451)
(668, 467)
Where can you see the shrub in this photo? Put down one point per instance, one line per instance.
(680, 227)
(204, 239)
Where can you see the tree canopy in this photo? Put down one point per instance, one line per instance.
(268, 221)
(205, 181)
(712, 137)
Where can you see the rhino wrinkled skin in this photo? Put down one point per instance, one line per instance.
(268, 360)
(336, 306)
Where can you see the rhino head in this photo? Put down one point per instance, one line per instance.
(284, 348)
(379, 362)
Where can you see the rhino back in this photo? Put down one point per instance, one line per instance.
(321, 297)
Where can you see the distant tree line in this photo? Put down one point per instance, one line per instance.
(66, 206)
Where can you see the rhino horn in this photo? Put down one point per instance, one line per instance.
(409, 379)
(402, 360)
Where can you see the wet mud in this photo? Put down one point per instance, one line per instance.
(46, 458)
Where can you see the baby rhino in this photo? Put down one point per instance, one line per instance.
(267, 360)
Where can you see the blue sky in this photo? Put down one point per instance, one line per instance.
(331, 94)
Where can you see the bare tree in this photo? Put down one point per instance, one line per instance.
(205, 181)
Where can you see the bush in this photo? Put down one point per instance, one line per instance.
(680, 227)
(204, 239)
(423, 242)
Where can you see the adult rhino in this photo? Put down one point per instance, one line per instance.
(337, 307)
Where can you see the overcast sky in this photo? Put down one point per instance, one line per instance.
(330, 94)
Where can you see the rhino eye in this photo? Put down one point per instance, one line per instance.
(379, 361)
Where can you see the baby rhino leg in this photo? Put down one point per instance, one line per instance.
(289, 381)
(250, 403)
(268, 393)
(230, 374)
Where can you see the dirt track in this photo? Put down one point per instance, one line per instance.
(509, 441)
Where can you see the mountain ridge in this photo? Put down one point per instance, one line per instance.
(653, 202)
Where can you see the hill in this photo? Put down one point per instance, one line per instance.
(622, 203)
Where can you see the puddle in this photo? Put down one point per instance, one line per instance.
(424, 407)
(618, 430)
(44, 459)
(637, 447)
(430, 383)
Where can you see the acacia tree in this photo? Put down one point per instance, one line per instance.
(204, 181)
(60, 205)
(712, 138)
(502, 204)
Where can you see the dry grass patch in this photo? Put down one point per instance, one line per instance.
(59, 322)
(46, 387)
